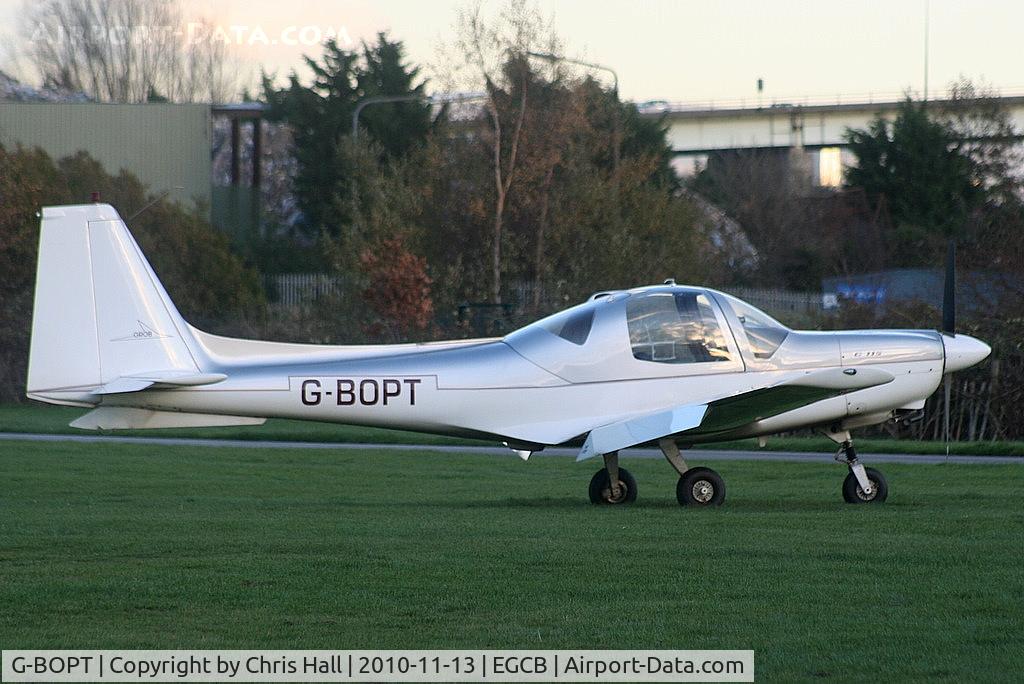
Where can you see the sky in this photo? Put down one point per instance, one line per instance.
(680, 51)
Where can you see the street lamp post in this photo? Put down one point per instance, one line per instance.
(616, 132)
(592, 65)
(363, 104)
(378, 99)
(432, 99)
(383, 99)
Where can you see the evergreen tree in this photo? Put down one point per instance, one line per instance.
(320, 116)
(930, 186)
(397, 127)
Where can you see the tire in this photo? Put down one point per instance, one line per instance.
(600, 488)
(700, 487)
(852, 492)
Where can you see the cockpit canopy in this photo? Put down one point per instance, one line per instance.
(572, 325)
(650, 332)
(674, 327)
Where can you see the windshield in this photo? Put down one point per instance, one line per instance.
(764, 333)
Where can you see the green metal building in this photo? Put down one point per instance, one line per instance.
(165, 145)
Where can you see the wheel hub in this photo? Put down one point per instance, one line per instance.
(867, 496)
(615, 494)
(703, 491)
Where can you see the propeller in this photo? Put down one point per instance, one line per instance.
(948, 328)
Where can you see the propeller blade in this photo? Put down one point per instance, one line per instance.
(949, 291)
(945, 410)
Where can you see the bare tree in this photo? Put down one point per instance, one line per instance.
(487, 50)
(126, 50)
(985, 133)
(556, 121)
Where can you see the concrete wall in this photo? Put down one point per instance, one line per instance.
(164, 145)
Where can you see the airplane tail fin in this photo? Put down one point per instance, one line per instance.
(102, 322)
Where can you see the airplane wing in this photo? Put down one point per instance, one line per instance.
(733, 411)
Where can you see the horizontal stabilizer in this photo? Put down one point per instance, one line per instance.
(179, 379)
(731, 412)
(122, 385)
(124, 418)
(158, 380)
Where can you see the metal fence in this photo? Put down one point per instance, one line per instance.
(783, 301)
(294, 290)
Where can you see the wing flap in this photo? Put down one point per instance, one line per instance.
(627, 433)
(732, 411)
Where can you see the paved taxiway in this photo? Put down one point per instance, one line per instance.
(693, 454)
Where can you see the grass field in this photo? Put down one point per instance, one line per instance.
(127, 546)
(55, 419)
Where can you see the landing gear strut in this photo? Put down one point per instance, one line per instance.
(612, 484)
(862, 485)
(696, 486)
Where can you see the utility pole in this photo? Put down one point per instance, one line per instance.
(927, 12)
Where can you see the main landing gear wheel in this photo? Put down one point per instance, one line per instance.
(601, 490)
(700, 487)
(852, 492)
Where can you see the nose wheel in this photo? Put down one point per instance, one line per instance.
(854, 493)
(862, 485)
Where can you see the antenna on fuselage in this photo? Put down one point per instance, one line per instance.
(153, 201)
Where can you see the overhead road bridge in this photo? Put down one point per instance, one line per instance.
(698, 129)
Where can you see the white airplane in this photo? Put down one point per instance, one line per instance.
(667, 364)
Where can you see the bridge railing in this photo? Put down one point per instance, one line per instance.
(780, 102)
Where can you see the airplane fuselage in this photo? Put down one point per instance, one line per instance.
(487, 389)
